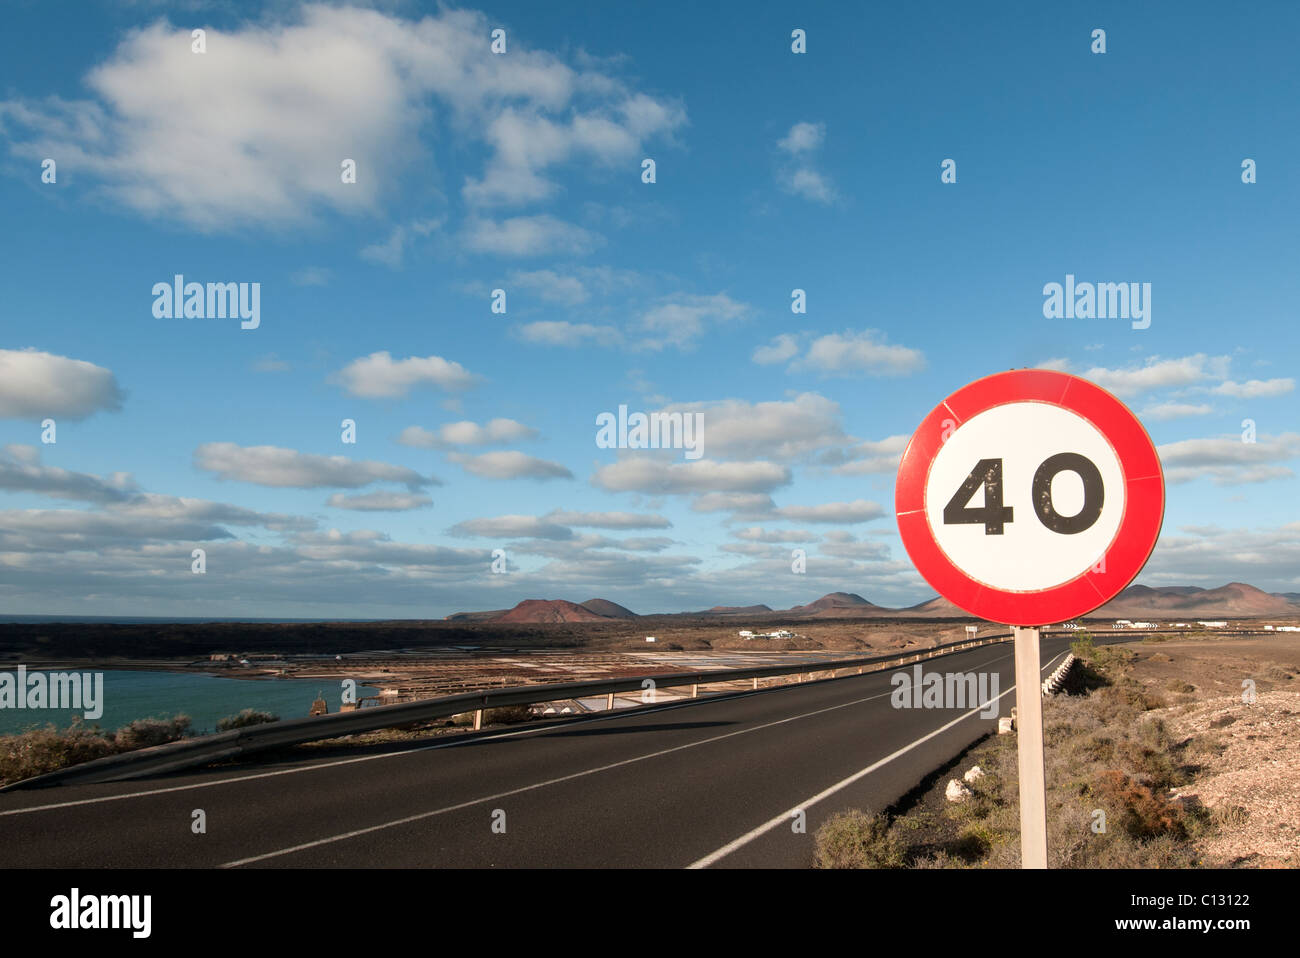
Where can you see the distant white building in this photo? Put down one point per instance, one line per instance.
(1218, 624)
(649, 638)
(1123, 624)
(748, 634)
(782, 634)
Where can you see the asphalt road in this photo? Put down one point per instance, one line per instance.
(711, 783)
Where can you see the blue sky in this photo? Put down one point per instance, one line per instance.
(522, 171)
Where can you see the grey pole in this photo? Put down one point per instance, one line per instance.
(1029, 740)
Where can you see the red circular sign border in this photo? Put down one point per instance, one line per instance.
(1139, 527)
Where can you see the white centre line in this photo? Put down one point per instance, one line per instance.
(552, 781)
(604, 768)
(807, 803)
(400, 753)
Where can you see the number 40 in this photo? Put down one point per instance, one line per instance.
(993, 514)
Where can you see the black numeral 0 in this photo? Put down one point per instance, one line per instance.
(993, 514)
(1094, 494)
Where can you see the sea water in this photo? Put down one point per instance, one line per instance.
(129, 695)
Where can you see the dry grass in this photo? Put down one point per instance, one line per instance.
(856, 839)
(1110, 764)
(41, 750)
(244, 719)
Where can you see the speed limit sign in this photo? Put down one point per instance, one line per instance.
(1030, 497)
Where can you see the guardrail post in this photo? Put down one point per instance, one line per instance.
(609, 702)
(756, 683)
(695, 690)
(478, 719)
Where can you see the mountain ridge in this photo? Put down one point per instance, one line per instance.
(1232, 600)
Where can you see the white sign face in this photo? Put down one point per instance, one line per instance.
(1025, 496)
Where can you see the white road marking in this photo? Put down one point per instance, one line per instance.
(146, 793)
(603, 768)
(807, 803)
(552, 781)
(350, 761)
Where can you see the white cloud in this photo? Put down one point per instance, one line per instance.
(149, 505)
(1255, 388)
(380, 501)
(682, 319)
(21, 471)
(750, 548)
(551, 286)
(865, 551)
(811, 185)
(526, 143)
(1175, 410)
(661, 477)
(34, 385)
(540, 235)
(564, 333)
(1154, 374)
(389, 252)
(1057, 363)
(311, 276)
(513, 527)
(253, 132)
(847, 353)
(802, 178)
(288, 468)
(841, 513)
(869, 458)
(1229, 461)
(780, 349)
(748, 503)
(466, 434)
(780, 430)
(509, 465)
(759, 534)
(803, 138)
(1228, 555)
(270, 363)
(392, 251)
(643, 544)
(379, 376)
(609, 520)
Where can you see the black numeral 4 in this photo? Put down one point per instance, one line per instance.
(987, 473)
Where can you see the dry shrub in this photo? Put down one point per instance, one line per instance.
(1140, 812)
(507, 715)
(244, 719)
(856, 839)
(147, 732)
(38, 751)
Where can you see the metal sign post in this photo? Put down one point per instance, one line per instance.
(1029, 740)
(1030, 496)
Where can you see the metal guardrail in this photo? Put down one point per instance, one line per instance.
(203, 750)
(1052, 684)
